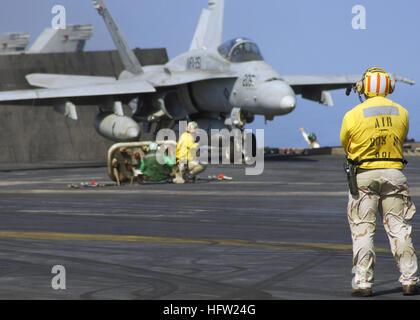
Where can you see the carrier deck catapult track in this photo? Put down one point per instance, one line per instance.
(279, 235)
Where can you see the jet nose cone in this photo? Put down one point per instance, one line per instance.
(276, 98)
(288, 102)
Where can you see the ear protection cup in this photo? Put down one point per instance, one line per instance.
(391, 86)
(360, 86)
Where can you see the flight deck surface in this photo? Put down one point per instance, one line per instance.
(280, 235)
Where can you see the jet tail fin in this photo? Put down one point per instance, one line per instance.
(13, 42)
(128, 57)
(208, 32)
(70, 39)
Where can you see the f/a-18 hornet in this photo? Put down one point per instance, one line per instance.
(219, 85)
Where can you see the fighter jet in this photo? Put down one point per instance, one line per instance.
(219, 85)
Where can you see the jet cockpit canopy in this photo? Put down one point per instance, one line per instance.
(240, 50)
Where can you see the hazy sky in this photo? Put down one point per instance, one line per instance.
(295, 37)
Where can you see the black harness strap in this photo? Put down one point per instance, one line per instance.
(358, 163)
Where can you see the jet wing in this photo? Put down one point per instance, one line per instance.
(158, 78)
(49, 80)
(86, 89)
(331, 82)
(316, 88)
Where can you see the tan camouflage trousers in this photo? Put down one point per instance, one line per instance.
(386, 191)
(194, 168)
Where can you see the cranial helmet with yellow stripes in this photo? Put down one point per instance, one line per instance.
(192, 127)
(375, 83)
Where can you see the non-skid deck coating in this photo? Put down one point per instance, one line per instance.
(279, 235)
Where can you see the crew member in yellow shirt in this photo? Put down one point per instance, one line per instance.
(372, 134)
(186, 154)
